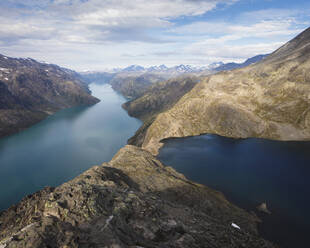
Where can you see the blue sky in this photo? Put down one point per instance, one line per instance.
(98, 34)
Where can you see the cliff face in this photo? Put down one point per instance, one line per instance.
(270, 99)
(157, 98)
(132, 201)
(160, 97)
(29, 91)
(134, 84)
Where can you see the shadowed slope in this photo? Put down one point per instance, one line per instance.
(29, 91)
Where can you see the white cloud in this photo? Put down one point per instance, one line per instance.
(97, 33)
(226, 41)
(96, 19)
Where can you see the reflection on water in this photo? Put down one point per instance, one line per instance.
(63, 146)
(250, 172)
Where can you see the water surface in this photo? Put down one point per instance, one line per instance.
(250, 172)
(63, 145)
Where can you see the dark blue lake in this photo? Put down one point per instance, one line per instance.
(250, 172)
(63, 145)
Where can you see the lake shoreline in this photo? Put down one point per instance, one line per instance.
(248, 171)
(63, 145)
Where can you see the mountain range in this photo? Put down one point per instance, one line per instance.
(178, 69)
(268, 99)
(133, 81)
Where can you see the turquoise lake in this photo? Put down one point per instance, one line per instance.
(64, 145)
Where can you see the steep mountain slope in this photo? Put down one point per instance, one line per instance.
(133, 85)
(132, 201)
(158, 98)
(270, 99)
(29, 91)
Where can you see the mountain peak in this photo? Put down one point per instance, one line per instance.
(134, 68)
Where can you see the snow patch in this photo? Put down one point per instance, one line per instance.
(57, 93)
(107, 222)
(5, 242)
(5, 70)
(109, 219)
(235, 226)
(27, 227)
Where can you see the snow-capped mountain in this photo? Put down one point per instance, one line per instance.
(180, 69)
(157, 68)
(134, 68)
(215, 65)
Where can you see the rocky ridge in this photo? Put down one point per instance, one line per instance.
(156, 99)
(133, 85)
(232, 65)
(270, 99)
(160, 96)
(132, 201)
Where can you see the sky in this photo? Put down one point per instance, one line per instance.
(98, 34)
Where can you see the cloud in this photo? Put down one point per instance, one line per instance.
(95, 20)
(239, 40)
(52, 28)
(87, 34)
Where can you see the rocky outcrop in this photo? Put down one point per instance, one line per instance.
(132, 201)
(263, 208)
(30, 91)
(134, 84)
(158, 98)
(270, 99)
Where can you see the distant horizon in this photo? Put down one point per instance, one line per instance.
(93, 34)
(105, 69)
(169, 66)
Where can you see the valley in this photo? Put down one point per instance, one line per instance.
(133, 199)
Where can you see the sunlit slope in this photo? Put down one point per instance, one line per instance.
(270, 99)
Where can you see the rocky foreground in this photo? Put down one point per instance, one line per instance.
(132, 201)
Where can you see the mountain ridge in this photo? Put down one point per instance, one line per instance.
(30, 91)
(215, 67)
(268, 99)
(131, 201)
